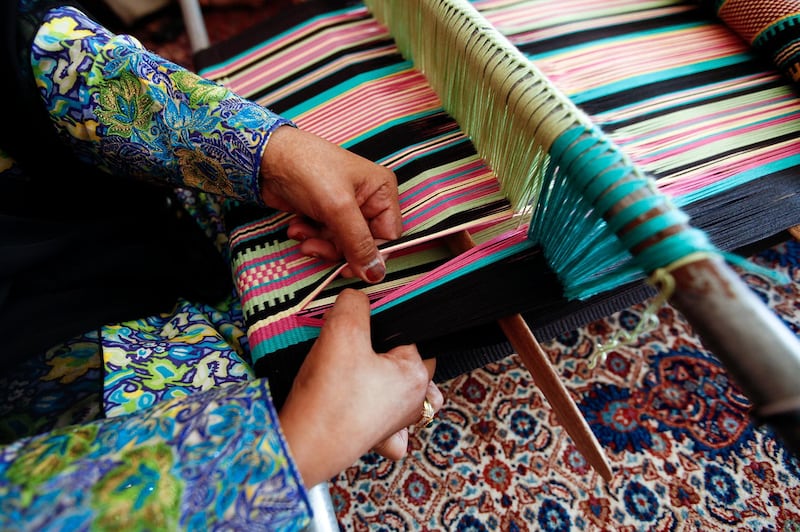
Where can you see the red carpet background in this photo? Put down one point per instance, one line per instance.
(684, 452)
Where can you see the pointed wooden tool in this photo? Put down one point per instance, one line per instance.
(545, 377)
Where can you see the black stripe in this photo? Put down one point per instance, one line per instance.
(400, 136)
(721, 155)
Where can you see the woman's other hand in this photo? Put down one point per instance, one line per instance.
(347, 399)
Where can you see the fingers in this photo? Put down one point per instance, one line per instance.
(351, 397)
(434, 396)
(347, 322)
(395, 446)
(354, 199)
(381, 208)
(301, 229)
(359, 246)
(357, 242)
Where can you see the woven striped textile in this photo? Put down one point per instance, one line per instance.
(679, 91)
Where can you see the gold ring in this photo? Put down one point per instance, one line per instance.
(427, 414)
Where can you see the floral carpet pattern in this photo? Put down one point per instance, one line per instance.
(684, 453)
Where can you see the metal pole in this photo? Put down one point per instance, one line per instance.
(195, 25)
(322, 505)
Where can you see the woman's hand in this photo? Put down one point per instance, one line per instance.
(349, 202)
(347, 399)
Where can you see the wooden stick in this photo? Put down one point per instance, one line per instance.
(545, 377)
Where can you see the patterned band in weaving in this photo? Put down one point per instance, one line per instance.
(772, 27)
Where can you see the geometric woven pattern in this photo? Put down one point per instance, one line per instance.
(771, 27)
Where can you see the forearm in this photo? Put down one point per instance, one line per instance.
(133, 113)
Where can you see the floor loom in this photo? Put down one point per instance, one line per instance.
(585, 137)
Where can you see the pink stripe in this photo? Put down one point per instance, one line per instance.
(294, 273)
(713, 120)
(574, 71)
(288, 62)
(720, 172)
(365, 108)
(290, 255)
(486, 249)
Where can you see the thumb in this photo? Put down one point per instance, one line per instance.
(357, 244)
(348, 320)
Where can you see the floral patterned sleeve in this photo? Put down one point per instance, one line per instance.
(132, 112)
(205, 461)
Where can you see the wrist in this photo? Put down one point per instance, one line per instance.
(317, 453)
(276, 161)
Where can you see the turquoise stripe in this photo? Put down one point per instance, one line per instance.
(266, 42)
(334, 92)
(283, 340)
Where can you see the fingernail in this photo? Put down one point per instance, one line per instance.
(375, 270)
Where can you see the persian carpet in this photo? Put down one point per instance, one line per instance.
(676, 430)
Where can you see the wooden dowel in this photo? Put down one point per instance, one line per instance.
(545, 377)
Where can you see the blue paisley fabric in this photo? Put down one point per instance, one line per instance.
(133, 113)
(200, 462)
(157, 423)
